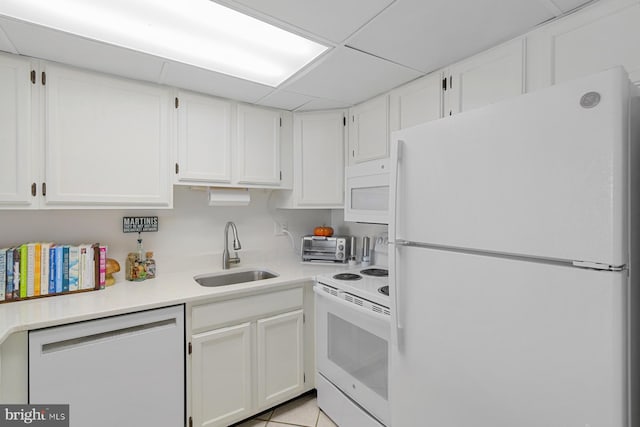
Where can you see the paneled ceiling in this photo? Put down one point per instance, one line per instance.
(375, 45)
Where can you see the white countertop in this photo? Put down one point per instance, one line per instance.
(168, 288)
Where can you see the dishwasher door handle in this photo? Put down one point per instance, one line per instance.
(108, 335)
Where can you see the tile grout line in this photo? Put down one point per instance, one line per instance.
(318, 417)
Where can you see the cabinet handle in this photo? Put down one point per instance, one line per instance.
(33, 189)
(177, 103)
(44, 188)
(33, 76)
(177, 169)
(44, 78)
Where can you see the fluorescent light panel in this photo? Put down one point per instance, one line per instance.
(196, 32)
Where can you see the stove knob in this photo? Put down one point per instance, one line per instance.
(340, 255)
(340, 247)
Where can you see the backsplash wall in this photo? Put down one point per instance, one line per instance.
(190, 229)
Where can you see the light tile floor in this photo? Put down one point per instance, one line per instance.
(301, 412)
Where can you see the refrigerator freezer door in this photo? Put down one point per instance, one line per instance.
(495, 342)
(538, 175)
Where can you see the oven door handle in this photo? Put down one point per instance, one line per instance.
(351, 306)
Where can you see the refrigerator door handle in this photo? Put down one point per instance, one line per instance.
(396, 148)
(396, 313)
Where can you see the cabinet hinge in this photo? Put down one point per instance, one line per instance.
(190, 421)
(44, 188)
(177, 168)
(177, 102)
(43, 78)
(190, 349)
(33, 189)
(33, 76)
(444, 84)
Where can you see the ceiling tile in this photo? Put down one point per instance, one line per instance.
(284, 100)
(199, 80)
(333, 20)
(323, 104)
(350, 76)
(567, 5)
(5, 44)
(53, 45)
(427, 35)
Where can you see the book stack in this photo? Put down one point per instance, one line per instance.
(42, 269)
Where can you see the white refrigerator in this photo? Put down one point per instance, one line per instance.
(512, 253)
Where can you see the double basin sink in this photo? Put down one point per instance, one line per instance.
(233, 277)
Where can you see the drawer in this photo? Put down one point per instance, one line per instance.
(204, 317)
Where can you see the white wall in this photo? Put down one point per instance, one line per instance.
(190, 230)
(357, 229)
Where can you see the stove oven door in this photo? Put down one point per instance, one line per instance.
(352, 351)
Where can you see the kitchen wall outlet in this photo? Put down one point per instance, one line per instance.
(280, 228)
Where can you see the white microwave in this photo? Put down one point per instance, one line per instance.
(367, 192)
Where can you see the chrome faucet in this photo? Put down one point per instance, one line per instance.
(226, 259)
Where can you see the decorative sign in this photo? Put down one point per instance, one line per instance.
(139, 224)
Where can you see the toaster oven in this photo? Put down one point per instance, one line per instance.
(327, 249)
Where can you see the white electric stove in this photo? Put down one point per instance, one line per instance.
(353, 322)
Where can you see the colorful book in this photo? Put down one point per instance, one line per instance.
(88, 269)
(74, 271)
(59, 268)
(65, 268)
(95, 248)
(23, 261)
(52, 269)
(44, 268)
(9, 295)
(3, 273)
(102, 278)
(31, 260)
(16, 271)
(37, 265)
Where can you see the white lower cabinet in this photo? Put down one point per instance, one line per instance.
(221, 375)
(247, 354)
(280, 358)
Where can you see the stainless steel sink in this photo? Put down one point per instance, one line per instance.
(233, 277)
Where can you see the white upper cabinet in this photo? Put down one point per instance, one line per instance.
(204, 139)
(485, 78)
(107, 141)
(598, 37)
(319, 158)
(258, 146)
(369, 130)
(417, 102)
(17, 168)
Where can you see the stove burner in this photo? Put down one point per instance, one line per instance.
(347, 276)
(384, 290)
(377, 272)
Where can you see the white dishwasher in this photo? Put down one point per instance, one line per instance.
(126, 370)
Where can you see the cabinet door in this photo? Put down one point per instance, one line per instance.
(319, 158)
(369, 131)
(16, 166)
(258, 145)
(601, 36)
(221, 376)
(417, 102)
(204, 139)
(280, 358)
(107, 141)
(486, 78)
